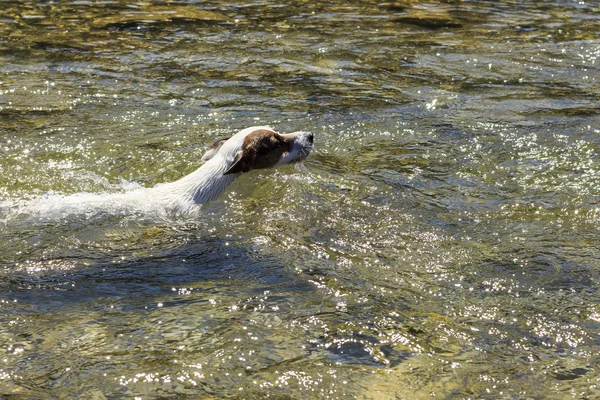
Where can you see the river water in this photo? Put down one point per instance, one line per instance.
(441, 240)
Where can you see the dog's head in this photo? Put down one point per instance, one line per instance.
(261, 147)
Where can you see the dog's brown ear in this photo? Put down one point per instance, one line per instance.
(214, 149)
(241, 163)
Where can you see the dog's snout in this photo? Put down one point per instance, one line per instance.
(310, 137)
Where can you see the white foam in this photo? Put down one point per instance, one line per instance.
(136, 201)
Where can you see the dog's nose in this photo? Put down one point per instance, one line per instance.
(310, 137)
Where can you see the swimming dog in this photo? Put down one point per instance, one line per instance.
(252, 148)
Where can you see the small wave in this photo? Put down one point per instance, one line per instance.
(133, 200)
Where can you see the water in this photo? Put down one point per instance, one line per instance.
(441, 239)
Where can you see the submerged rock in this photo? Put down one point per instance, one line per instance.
(157, 15)
(428, 19)
(424, 14)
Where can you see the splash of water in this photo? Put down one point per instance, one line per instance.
(132, 200)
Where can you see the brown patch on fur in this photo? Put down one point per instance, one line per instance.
(262, 148)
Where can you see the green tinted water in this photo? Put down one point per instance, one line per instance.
(442, 239)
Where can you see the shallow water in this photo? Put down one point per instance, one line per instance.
(442, 239)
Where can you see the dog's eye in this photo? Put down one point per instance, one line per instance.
(263, 150)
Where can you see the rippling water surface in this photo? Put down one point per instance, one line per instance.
(441, 240)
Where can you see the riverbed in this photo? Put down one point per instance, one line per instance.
(441, 239)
